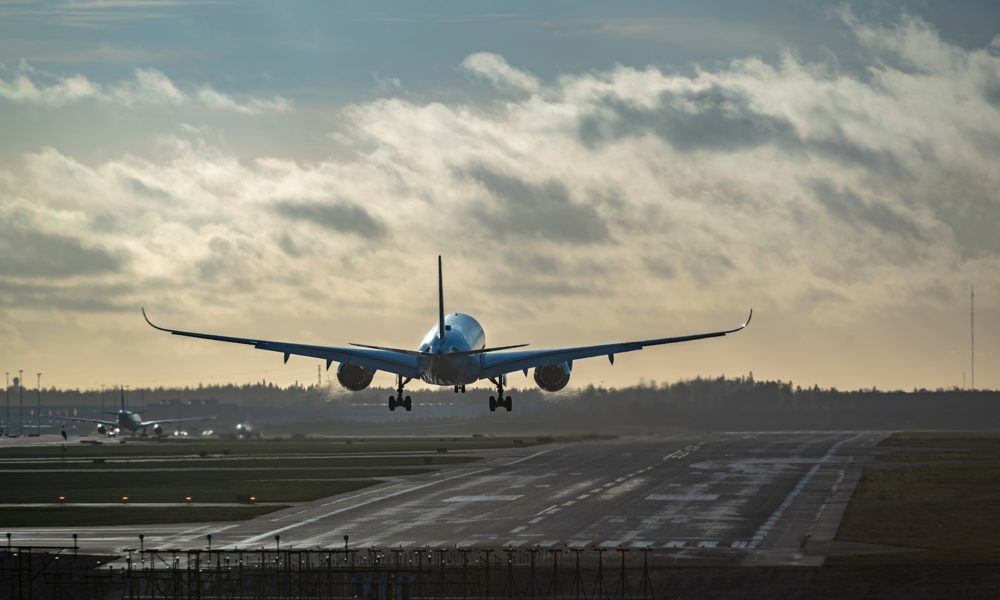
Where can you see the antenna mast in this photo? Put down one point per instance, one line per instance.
(972, 330)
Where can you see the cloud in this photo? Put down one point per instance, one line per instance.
(541, 210)
(30, 253)
(337, 216)
(828, 197)
(150, 87)
(213, 99)
(494, 68)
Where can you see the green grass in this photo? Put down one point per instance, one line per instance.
(111, 448)
(951, 511)
(268, 462)
(71, 516)
(281, 485)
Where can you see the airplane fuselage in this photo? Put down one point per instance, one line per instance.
(128, 421)
(462, 333)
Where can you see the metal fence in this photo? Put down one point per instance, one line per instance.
(62, 573)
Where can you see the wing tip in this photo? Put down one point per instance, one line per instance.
(143, 309)
(747, 322)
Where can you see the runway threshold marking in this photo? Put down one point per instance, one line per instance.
(273, 532)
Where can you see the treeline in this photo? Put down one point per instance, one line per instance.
(741, 404)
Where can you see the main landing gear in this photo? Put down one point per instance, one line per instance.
(398, 399)
(499, 400)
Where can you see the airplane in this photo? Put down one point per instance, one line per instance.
(453, 353)
(129, 421)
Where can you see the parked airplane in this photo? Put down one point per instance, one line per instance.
(452, 353)
(129, 421)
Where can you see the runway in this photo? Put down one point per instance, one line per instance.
(721, 498)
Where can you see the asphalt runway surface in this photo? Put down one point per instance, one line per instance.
(750, 498)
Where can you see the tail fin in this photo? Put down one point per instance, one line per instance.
(440, 302)
(123, 399)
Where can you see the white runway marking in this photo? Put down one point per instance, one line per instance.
(530, 456)
(773, 519)
(675, 544)
(708, 544)
(273, 532)
(482, 498)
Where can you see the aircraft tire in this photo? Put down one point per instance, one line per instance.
(392, 403)
(493, 404)
(508, 404)
(408, 404)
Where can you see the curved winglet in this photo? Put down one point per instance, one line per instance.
(143, 309)
(747, 322)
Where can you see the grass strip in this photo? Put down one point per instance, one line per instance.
(193, 448)
(950, 510)
(174, 486)
(260, 462)
(72, 516)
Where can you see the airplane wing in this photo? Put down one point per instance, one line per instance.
(82, 420)
(156, 422)
(392, 361)
(507, 362)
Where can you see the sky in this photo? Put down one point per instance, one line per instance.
(591, 172)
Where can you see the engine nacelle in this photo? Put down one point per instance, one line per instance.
(101, 429)
(354, 377)
(552, 378)
(158, 429)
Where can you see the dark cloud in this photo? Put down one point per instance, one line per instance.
(715, 119)
(721, 119)
(289, 246)
(29, 253)
(538, 211)
(659, 267)
(338, 216)
(839, 148)
(847, 206)
(83, 297)
(140, 187)
(229, 267)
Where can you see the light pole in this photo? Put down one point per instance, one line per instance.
(20, 397)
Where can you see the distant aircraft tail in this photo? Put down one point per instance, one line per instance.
(123, 398)
(440, 302)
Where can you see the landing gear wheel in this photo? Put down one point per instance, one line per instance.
(499, 400)
(398, 399)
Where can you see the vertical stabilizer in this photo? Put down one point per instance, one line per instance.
(440, 302)
(123, 399)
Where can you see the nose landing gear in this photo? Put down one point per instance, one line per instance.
(499, 401)
(398, 399)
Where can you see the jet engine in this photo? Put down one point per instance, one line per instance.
(552, 378)
(158, 429)
(101, 429)
(354, 377)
